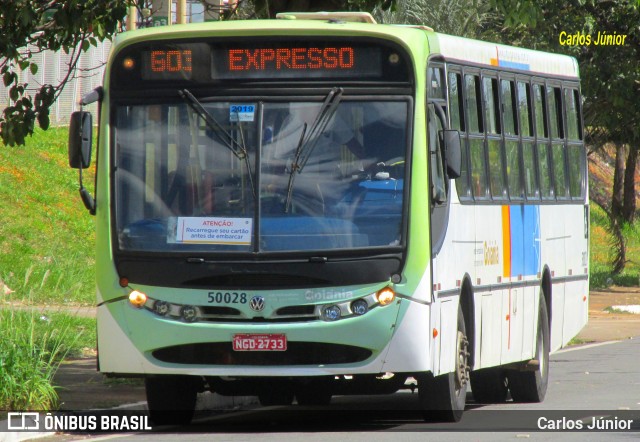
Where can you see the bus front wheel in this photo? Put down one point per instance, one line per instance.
(171, 399)
(443, 397)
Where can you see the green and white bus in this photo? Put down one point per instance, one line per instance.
(297, 209)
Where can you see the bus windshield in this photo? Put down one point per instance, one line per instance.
(260, 176)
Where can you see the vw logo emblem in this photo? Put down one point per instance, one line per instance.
(257, 303)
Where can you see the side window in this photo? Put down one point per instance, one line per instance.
(494, 144)
(575, 149)
(572, 103)
(456, 110)
(475, 130)
(556, 131)
(559, 174)
(436, 83)
(524, 106)
(496, 167)
(511, 144)
(540, 105)
(490, 95)
(513, 169)
(478, 171)
(546, 191)
(542, 132)
(529, 158)
(508, 96)
(472, 97)
(554, 102)
(456, 114)
(529, 172)
(438, 178)
(575, 155)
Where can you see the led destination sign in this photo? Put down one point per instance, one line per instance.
(288, 62)
(291, 58)
(211, 61)
(167, 64)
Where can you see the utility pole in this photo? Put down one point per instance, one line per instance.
(131, 18)
(181, 12)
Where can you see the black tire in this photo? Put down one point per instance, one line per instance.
(531, 386)
(443, 397)
(171, 399)
(489, 385)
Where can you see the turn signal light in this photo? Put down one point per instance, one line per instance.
(385, 296)
(137, 299)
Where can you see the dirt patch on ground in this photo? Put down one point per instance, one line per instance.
(82, 387)
(610, 326)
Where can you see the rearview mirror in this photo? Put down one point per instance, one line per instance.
(452, 149)
(80, 134)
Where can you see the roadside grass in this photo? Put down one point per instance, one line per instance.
(46, 236)
(32, 347)
(46, 260)
(602, 255)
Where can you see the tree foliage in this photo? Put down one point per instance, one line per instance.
(269, 8)
(31, 26)
(456, 17)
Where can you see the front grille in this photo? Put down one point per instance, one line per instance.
(255, 281)
(220, 311)
(297, 353)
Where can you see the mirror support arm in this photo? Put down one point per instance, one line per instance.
(85, 195)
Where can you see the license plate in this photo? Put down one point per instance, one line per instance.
(255, 342)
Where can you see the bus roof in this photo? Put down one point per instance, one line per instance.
(511, 57)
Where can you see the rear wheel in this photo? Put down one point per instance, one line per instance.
(531, 386)
(443, 397)
(171, 399)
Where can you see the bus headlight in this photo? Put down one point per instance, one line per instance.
(359, 307)
(189, 313)
(137, 299)
(385, 296)
(161, 308)
(331, 313)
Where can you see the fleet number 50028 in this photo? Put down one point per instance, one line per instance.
(227, 298)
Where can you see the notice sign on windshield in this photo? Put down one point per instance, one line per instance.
(210, 230)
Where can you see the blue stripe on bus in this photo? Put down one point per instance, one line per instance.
(525, 240)
(514, 65)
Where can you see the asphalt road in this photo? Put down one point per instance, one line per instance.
(596, 380)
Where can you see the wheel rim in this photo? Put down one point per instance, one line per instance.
(462, 362)
(542, 363)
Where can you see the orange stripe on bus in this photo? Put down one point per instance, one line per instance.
(506, 241)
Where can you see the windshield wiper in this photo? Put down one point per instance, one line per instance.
(309, 139)
(238, 149)
(225, 137)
